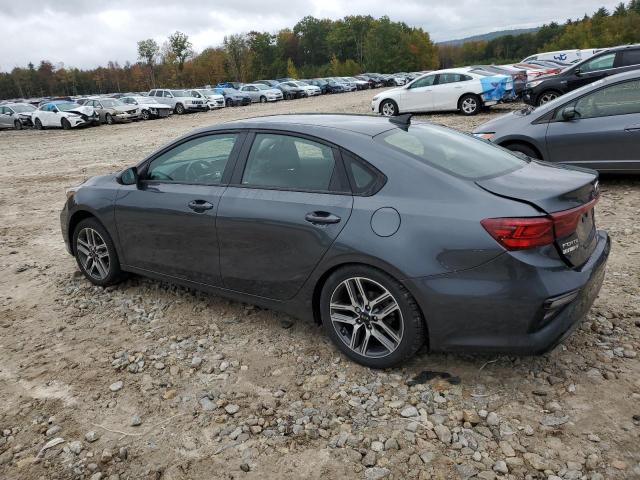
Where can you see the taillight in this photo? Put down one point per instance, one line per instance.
(520, 233)
(529, 232)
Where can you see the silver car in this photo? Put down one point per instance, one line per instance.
(261, 93)
(596, 126)
(16, 115)
(111, 110)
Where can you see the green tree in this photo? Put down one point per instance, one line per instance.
(148, 51)
(292, 71)
(180, 48)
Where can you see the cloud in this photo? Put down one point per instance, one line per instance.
(90, 33)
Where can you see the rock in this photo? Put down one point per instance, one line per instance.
(245, 467)
(232, 409)
(369, 460)
(136, 421)
(593, 437)
(158, 366)
(96, 476)
(486, 475)
(507, 449)
(443, 433)
(377, 446)
(207, 405)
(53, 430)
(553, 420)
(409, 411)
(50, 444)
(106, 456)
(536, 461)
(501, 467)
(376, 473)
(396, 403)
(466, 471)
(619, 465)
(391, 444)
(75, 447)
(196, 362)
(6, 457)
(116, 386)
(477, 456)
(169, 394)
(492, 419)
(427, 457)
(471, 416)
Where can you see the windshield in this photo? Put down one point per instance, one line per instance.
(111, 102)
(22, 108)
(260, 86)
(451, 151)
(180, 93)
(63, 107)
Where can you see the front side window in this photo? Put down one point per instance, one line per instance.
(451, 151)
(423, 82)
(199, 161)
(283, 161)
(601, 63)
(620, 99)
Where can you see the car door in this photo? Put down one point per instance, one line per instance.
(418, 97)
(604, 135)
(166, 223)
(287, 203)
(447, 91)
(6, 120)
(595, 69)
(49, 115)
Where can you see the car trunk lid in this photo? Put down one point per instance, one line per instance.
(566, 195)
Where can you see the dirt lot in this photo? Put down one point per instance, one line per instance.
(150, 381)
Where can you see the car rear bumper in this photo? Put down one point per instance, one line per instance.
(508, 305)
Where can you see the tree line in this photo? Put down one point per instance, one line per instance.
(314, 47)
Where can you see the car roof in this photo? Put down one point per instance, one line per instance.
(369, 125)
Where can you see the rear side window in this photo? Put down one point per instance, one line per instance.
(294, 163)
(619, 99)
(630, 57)
(456, 153)
(365, 179)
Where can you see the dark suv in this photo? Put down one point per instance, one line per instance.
(603, 64)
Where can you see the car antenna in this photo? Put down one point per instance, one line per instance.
(403, 120)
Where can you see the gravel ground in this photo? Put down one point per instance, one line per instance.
(147, 380)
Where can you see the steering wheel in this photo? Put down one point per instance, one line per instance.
(197, 170)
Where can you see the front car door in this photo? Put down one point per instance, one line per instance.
(605, 134)
(447, 91)
(6, 120)
(287, 203)
(594, 69)
(166, 223)
(418, 96)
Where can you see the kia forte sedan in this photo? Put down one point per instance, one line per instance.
(390, 234)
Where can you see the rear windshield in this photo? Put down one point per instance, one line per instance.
(451, 151)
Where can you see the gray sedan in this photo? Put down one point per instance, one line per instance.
(391, 234)
(16, 115)
(261, 93)
(596, 126)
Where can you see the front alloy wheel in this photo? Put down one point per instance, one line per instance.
(470, 105)
(547, 97)
(95, 253)
(389, 108)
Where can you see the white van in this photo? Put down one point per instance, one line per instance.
(566, 56)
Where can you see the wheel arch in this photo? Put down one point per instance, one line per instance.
(522, 141)
(319, 284)
(390, 99)
(75, 219)
(477, 95)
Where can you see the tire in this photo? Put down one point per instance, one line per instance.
(179, 109)
(65, 124)
(263, 99)
(91, 237)
(389, 108)
(38, 124)
(288, 96)
(17, 125)
(108, 119)
(404, 321)
(469, 104)
(145, 115)
(547, 96)
(228, 102)
(523, 148)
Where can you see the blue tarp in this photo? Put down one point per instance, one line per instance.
(494, 88)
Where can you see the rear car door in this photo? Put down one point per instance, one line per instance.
(419, 95)
(166, 223)
(605, 135)
(287, 203)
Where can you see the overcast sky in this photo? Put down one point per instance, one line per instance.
(89, 33)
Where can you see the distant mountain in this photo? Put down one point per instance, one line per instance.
(490, 36)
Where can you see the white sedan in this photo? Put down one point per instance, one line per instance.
(441, 90)
(149, 107)
(64, 114)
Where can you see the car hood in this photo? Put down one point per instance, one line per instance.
(82, 110)
(122, 108)
(216, 96)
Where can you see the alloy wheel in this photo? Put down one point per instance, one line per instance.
(366, 317)
(93, 253)
(388, 109)
(469, 105)
(547, 97)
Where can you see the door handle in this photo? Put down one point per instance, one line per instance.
(321, 218)
(633, 128)
(199, 206)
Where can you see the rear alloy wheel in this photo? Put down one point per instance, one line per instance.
(547, 97)
(371, 317)
(470, 105)
(179, 109)
(38, 124)
(108, 119)
(95, 253)
(389, 108)
(65, 124)
(17, 125)
(263, 99)
(145, 114)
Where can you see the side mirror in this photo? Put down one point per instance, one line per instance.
(577, 71)
(128, 176)
(570, 113)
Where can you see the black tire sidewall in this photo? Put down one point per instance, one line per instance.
(395, 106)
(527, 150)
(263, 99)
(179, 109)
(115, 274)
(38, 124)
(66, 125)
(146, 115)
(414, 334)
(108, 119)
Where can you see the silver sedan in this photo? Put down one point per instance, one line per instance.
(261, 93)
